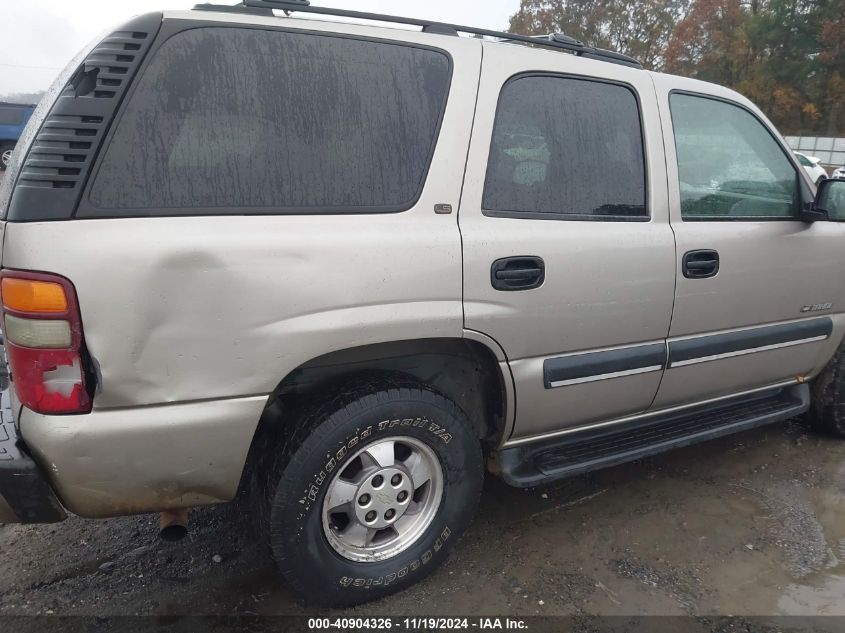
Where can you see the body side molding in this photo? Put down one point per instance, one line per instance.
(717, 346)
(574, 369)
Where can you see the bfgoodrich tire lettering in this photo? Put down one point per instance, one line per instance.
(331, 436)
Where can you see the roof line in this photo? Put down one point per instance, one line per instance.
(556, 41)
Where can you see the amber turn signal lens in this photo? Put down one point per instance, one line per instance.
(28, 295)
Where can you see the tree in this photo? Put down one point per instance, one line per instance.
(710, 42)
(832, 58)
(788, 56)
(784, 55)
(639, 28)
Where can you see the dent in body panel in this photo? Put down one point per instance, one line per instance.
(228, 306)
(145, 459)
(179, 309)
(205, 310)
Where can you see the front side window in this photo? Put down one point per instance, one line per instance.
(259, 121)
(566, 148)
(729, 165)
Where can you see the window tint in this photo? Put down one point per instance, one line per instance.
(11, 115)
(566, 146)
(267, 121)
(729, 165)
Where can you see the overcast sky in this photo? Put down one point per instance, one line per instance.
(40, 36)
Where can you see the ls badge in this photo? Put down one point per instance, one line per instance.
(817, 307)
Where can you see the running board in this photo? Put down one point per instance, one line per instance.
(582, 451)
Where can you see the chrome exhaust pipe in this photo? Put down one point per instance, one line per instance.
(173, 525)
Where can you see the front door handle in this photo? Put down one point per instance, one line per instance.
(700, 264)
(518, 273)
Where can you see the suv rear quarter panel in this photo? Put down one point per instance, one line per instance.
(178, 309)
(193, 321)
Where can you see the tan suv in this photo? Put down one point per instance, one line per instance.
(355, 267)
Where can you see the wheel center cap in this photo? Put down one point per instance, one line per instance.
(383, 497)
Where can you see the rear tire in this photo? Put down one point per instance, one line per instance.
(827, 412)
(375, 489)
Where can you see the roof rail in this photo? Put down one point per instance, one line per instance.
(557, 41)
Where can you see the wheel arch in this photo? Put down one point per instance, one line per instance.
(471, 371)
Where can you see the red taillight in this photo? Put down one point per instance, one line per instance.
(43, 337)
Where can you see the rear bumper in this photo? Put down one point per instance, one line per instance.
(113, 462)
(25, 494)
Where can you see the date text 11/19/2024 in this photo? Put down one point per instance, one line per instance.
(416, 624)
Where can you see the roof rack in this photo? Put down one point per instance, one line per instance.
(557, 41)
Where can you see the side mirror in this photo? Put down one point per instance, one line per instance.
(830, 201)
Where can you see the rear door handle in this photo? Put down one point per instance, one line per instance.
(518, 273)
(700, 264)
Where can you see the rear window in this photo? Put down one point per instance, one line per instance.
(232, 120)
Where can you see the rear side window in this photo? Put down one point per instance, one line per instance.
(729, 165)
(231, 120)
(566, 148)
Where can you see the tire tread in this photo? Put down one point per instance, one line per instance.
(346, 400)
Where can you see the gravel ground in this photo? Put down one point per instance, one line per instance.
(748, 525)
